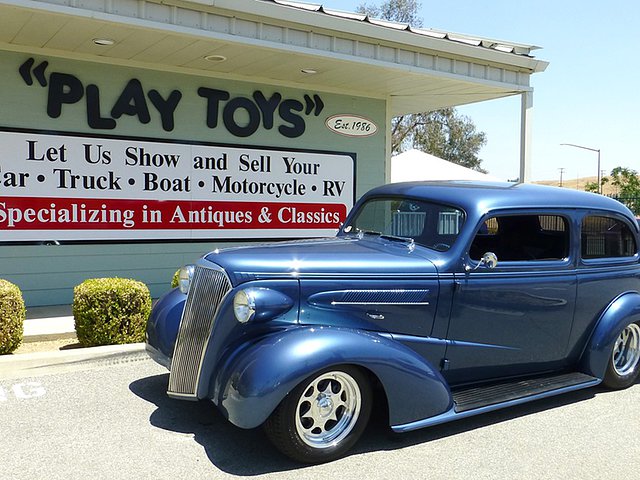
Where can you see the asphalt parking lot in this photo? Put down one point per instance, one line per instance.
(115, 421)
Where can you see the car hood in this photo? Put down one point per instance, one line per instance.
(324, 257)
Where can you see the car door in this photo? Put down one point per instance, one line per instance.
(514, 319)
(608, 265)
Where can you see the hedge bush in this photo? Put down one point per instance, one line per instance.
(12, 315)
(110, 311)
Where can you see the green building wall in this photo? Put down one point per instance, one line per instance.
(47, 273)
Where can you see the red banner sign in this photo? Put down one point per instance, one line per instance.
(99, 214)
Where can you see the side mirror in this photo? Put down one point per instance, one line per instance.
(489, 260)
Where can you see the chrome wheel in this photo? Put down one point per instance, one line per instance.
(626, 351)
(328, 409)
(323, 416)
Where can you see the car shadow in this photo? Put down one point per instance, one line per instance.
(222, 441)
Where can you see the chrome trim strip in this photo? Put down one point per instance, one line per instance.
(377, 276)
(380, 303)
(521, 273)
(401, 337)
(588, 269)
(393, 296)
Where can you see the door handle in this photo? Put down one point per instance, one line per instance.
(375, 316)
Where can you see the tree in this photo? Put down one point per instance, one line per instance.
(593, 186)
(444, 133)
(401, 11)
(627, 184)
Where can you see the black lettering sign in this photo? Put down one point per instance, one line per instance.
(229, 117)
(132, 102)
(241, 116)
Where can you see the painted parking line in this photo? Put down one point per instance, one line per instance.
(22, 391)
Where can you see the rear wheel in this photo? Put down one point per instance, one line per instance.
(323, 417)
(624, 364)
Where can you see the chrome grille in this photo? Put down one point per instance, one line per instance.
(208, 288)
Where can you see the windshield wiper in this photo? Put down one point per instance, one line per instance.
(395, 238)
(362, 233)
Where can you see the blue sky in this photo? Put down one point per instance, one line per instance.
(588, 95)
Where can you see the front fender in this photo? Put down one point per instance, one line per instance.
(254, 380)
(164, 322)
(622, 311)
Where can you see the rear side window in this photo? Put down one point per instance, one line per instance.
(606, 237)
(523, 238)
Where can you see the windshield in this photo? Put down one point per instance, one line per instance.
(429, 224)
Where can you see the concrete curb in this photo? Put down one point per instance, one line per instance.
(60, 361)
(46, 337)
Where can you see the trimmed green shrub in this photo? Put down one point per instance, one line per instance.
(175, 279)
(12, 315)
(110, 311)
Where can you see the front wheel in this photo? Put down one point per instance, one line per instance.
(624, 364)
(323, 417)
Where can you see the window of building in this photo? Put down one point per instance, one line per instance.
(604, 237)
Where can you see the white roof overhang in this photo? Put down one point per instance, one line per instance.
(272, 41)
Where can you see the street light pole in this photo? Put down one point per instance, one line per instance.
(592, 150)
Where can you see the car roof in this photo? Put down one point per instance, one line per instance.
(482, 197)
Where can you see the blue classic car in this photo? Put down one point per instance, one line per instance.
(443, 299)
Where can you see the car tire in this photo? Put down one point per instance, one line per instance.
(323, 417)
(624, 362)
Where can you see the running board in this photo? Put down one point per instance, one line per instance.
(484, 396)
(476, 400)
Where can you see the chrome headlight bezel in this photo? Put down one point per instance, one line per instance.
(185, 276)
(244, 306)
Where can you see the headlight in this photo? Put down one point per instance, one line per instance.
(184, 278)
(244, 306)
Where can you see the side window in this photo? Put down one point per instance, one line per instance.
(522, 238)
(606, 237)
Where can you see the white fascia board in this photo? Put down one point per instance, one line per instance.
(311, 20)
(303, 18)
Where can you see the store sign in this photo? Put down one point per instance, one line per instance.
(57, 187)
(241, 116)
(351, 125)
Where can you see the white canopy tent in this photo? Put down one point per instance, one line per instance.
(414, 165)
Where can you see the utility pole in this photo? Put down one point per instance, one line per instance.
(597, 150)
(561, 172)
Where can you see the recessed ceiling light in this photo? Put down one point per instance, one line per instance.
(104, 41)
(215, 58)
(309, 71)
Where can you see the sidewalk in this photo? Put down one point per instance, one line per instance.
(48, 323)
(54, 323)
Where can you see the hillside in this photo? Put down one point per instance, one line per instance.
(578, 184)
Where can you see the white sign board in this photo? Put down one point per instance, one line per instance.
(58, 187)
